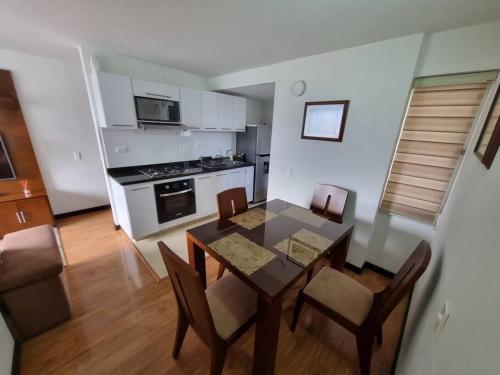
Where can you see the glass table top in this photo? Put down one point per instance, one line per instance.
(272, 244)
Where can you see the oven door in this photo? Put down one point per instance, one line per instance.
(175, 200)
(157, 110)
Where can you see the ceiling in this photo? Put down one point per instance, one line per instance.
(263, 91)
(212, 37)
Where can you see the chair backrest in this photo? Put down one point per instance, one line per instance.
(232, 202)
(329, 201)
(404, 280)
(190, 295)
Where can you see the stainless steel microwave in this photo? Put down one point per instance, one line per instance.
(157, 112)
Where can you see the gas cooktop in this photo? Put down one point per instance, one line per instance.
(168, 171)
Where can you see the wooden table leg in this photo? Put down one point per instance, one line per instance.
(267, 328)
(197, 260)
(339, 253)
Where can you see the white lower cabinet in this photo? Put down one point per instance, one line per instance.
(134, 206)
(142, 210)
(205, 195)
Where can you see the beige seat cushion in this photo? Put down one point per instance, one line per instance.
(340, 293)
(232, 304)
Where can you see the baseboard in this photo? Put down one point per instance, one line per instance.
(80, 212)
(379, 270)
(370, 266)
(16, 358)
(353, 268)
(401, 334)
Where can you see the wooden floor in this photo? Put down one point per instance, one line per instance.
(124, 322)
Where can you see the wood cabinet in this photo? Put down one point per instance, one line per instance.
(114, 101)
(209, 110)
(191, 107)
(24, 213)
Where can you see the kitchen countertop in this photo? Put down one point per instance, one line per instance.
(131, 175)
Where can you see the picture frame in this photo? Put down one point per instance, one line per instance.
(489, 139)
(325, 120)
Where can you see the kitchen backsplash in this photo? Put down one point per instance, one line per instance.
(135, 147)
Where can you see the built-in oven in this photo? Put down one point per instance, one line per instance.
(175, 199)
(154, 111)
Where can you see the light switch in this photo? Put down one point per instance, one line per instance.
(290, 172)
(121, 149)
(77, 155)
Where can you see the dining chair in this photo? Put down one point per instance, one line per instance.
(230, 202)
(219, 315)
(329, 201)
(357, 308)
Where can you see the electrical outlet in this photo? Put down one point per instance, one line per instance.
(185, 148)
(77, 155)
(121, 149)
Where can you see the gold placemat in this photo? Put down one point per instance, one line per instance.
(306, 216)
(242, 253)
(253, 218)
(304, 246)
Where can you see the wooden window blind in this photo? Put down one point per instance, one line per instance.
(433, 137)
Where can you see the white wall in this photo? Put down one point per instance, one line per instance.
(55, 107)
(158, 146)
(162, 146)
(464, 269)
(254, 111)
(267, 112)
(6, 348)
(376, 78)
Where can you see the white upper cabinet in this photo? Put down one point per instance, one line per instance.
(114, 101)
(209, 110)
(191, 107)
(239, 119)
(225, 109)
(155, 90)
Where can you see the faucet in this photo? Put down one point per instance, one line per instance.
(229, 153)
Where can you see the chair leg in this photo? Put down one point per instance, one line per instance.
(298, 308)
(218, 357)
(310, 275)
(182, 326)
(379, 335)
(221, 271)
(365, 346)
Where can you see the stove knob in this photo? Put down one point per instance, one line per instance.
(167, 187)
(185, 183)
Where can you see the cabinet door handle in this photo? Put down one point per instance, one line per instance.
(153, 94)
(124, 125)
(203, 178)
(22, 217)
(141, 188)
(210, 128)
(235, 172)
(176, 193)
(19, 218)
(227, 128)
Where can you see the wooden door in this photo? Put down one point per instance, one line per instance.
(9, 219)
(34, 211)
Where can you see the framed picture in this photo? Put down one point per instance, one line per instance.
(489, 140)
(325, 121)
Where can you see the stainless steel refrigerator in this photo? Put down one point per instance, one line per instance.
(256, 144)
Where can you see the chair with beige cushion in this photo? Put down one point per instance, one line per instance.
(356, 307)
(32, 282)
(219, 315)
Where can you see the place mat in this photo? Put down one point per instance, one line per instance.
(306, 216)
(304, 246)
(242, 253)
(253, 218)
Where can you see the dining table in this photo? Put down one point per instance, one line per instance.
(269, 247)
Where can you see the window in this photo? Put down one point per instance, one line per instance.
(438, 120)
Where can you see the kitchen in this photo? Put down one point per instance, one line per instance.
(169, 150)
